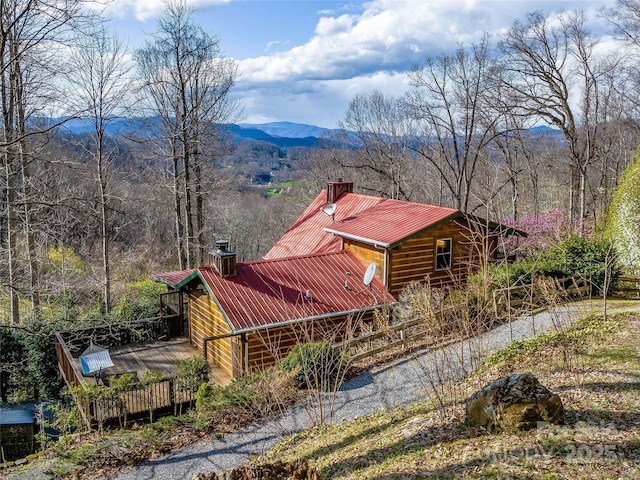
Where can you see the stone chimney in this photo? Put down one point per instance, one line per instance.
(335, 189)
(223, 259)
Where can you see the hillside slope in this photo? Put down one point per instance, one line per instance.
(381, 432)
(594, 367)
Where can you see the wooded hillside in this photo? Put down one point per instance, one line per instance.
(539, 120)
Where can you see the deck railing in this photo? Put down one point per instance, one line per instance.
(69, 372)
(125, 333)
(139, 402)
(100, 406)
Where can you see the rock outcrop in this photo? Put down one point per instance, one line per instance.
(511, 403)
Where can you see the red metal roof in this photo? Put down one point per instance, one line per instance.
(391, 221)
(172, 278)
(375, 220)
(268, 292)
(306, 235)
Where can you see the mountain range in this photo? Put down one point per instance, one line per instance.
(281, 134)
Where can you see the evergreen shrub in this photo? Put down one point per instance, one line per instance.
(316, 365)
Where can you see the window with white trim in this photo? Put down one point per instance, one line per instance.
(443, 254)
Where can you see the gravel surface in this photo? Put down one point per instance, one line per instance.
(400, 383)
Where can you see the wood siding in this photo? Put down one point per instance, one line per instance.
(265, 347)
(269, 346)
(414, 259)
(368, 254)
(206, 321)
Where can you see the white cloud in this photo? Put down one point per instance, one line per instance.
(275, 44)
(145, 9)
(351, 53)
(391, 34)
(322, 103)
(334, 26)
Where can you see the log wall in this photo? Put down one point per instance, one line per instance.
(368, 254)
(414, 259)
(265, 347)
(206, 321)
(270, 346)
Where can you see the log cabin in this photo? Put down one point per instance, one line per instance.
(407, 241)
(247, 315)
(309, 286)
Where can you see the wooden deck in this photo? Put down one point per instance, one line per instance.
(159, 356)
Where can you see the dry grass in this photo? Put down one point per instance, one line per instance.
(599, 386)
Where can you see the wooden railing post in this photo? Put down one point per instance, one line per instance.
(172, 393)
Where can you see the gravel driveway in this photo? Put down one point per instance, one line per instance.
(400, 383)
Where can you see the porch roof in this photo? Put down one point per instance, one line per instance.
(172, 279)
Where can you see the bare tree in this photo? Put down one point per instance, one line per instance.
(186, 85)
(555, 76)
(453, 103)
(99, 75)
(513, 151)
(625, 18)
(382, 141)
(30, 33)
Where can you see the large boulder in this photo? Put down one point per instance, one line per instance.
(511, 403)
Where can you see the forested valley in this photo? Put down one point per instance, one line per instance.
(533, 129)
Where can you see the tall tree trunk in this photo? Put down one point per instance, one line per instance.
(27, 192)
(188, 207)
(200, 219)
(177, 207)
(8, 115)
(14, 299)
(104, 217)
(29, 230)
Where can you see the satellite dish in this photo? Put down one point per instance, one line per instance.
(369, 273)
(330, 209)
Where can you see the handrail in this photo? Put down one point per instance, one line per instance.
(392, 328)
(118, 334)
(67, 367)
(579, 285)
(140, 399)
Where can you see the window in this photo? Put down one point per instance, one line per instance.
(443, 254)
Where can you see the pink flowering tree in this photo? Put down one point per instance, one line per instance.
(544, 231)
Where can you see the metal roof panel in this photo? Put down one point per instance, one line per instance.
(375, 220)
(172, 278)
(269, 292)
(391, 221)
(17, 415)
(306, 235)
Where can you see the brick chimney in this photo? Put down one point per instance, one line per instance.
(335, 189)
(223, 259)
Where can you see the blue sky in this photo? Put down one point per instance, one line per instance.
(304, 60)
